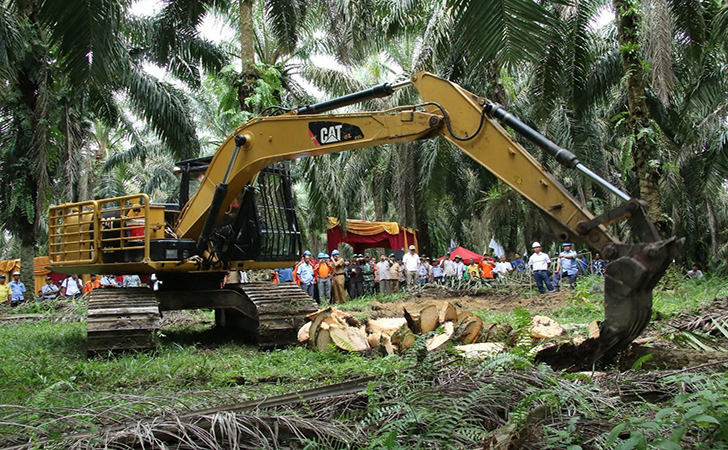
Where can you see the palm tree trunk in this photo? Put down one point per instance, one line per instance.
(27, 254)
(644, 149)
(250, 74)
(712, 224)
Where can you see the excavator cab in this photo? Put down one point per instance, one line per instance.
(261, 224)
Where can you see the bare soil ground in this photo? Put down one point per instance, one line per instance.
(489, 301)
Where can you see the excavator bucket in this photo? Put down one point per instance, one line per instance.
(629, 281)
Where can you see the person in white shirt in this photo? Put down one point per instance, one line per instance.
(72, 287)
(448, 267)
(503, 267)
(695, 273)
(460, 267)
(411, 263)
(539, 263)
(383, 275)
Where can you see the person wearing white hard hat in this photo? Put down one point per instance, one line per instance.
(411, 261)
(539, 263)
(338, 293)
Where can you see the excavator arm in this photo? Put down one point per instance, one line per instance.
(469, 122)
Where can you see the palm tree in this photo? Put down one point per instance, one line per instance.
(65, 64)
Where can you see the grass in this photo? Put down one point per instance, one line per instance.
(38, 358)
(43, 365)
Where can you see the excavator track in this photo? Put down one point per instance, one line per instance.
(280, 311)
(121, 319)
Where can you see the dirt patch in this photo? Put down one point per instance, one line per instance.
(183, 318)
(489, 301)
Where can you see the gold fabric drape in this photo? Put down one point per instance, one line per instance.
(364, 228)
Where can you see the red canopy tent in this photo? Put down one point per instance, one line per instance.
(465, 254)
(361, 235)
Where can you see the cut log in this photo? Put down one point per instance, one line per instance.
(464, 315)
(375, 339)
(469, 330)
(399, 335)
(385, 325)
(386, 345)
(439, 339)
(407, 342)
(448, 313)
(323, 340)
(350, 339)
(316, 324)
(413, 322)
(543, 327)
(429, 318)
(303, 332)
(494, 332)
(481, 350)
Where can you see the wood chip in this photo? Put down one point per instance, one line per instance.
(480, 350)
(594, 329)
(375, 339)
(303, 335)
(543, 327)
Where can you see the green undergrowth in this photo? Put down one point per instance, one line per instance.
(669, 297)
(42, 357)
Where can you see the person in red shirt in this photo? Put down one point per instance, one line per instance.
(91, 284)
(486, 266)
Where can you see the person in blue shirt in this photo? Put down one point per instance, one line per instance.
(285, 275)
(49, 291)
(566, 267)
(305, 275)
(18, 289)
(519, 265)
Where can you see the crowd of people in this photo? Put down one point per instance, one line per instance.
(332, 279)
(12, 294)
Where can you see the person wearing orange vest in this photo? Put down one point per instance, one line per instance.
(486, 266)
(91, 284)
(323, 271)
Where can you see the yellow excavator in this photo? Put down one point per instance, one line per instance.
(242, 216)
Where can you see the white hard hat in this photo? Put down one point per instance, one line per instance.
(535, 244)
(411, 247)
(16, 273)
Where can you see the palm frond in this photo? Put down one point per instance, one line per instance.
(285, 19)
(10, 41)
(657, 39)
(87, 35)
(165, 108)
(517, 30)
